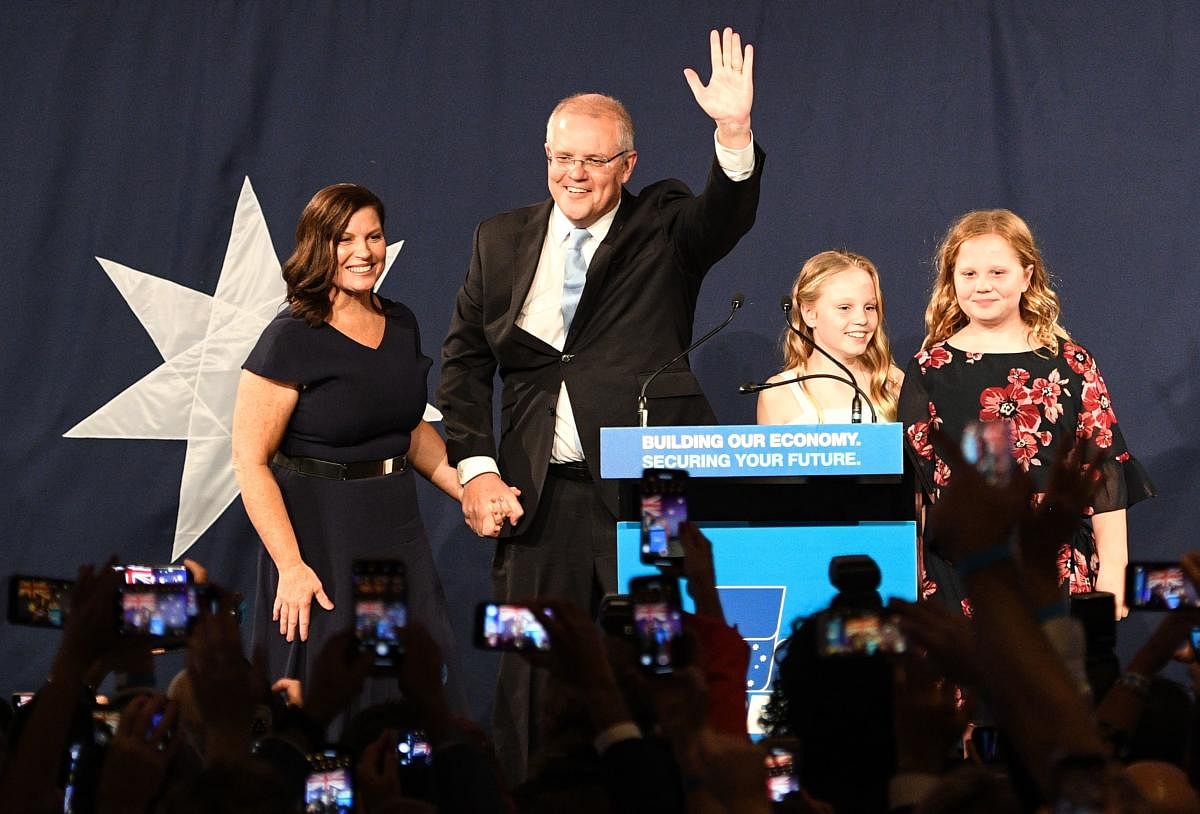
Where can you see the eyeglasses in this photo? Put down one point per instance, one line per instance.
(568, 162)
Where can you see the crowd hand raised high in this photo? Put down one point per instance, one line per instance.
(378, 776)
(943, 635)
(135, 765)
(298, 586)
(729, 94)
(225, 685)
(487, 501)
(970, 515)
(1044, 528)
(420, 678)
(337, 678)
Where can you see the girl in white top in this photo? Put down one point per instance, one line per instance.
(840, 305)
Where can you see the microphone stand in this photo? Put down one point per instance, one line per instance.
(643, 413)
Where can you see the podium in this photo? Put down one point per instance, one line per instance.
(778, 503)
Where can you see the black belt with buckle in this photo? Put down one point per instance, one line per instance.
(335, 471)
(575, 470)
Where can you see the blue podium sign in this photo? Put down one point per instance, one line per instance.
(753, 450)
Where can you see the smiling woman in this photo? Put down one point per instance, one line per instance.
(327, 430)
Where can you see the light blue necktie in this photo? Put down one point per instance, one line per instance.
(574, 275)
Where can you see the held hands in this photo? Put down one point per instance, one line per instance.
(487, 501)
(729, 94)
(298, 586)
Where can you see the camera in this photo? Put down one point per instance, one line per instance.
(380, 609)
(500, 626)
(855, 623)
(664, 507)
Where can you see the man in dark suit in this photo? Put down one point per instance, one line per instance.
(575, 301)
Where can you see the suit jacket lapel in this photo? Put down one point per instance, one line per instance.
(599, 267)
(526, 252)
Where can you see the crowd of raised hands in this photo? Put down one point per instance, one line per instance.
(1003, 711)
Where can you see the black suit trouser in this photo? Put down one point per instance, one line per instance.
(568, 553)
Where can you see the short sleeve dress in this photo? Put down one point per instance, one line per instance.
(1049, 397)
(355, 404)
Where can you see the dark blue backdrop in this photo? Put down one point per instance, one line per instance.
(128, 130)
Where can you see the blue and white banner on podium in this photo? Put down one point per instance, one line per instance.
(753, 450)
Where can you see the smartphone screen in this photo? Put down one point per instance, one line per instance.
(499, 626)
(1158, 586)
(988, 446)
(20, 699)
(380, 609)
(657, 622)
(38, 601)
(413, 749)
(852, 632)
(329, 787)
(164, 612)
(170, 574)
(664, 507)
(782, 779)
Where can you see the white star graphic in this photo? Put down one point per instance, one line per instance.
(203, 341)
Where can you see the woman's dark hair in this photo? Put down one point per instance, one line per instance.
(312, 268)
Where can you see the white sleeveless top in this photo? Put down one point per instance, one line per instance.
(809, 414)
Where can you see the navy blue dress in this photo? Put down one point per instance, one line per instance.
(356, 404)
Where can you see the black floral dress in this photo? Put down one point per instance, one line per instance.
(1048, 397)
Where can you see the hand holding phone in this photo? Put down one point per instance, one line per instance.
(1159, 586)
(380, 610)
(329, 786)
(664, 508)
(657, 623)
(506, 626)
(859, 632)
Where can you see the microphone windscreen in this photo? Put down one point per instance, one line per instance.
(738, 300)
(786, 303)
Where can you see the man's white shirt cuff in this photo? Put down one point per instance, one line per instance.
(474, 466)
(737, 164)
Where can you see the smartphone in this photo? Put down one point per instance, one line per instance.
(20, 699)
(413, 748)
(988, 446)
(616, 616)
(166, 613)
(782, 777)
(38, 601)
(1195, 639)
(859, 632)
(380, 609)
(500, 626)
(657, 623)
(664, 507)
(169, 574)
(329, 786)
(1158, 586)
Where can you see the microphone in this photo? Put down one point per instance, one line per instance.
(859, 396)
(643, 414)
